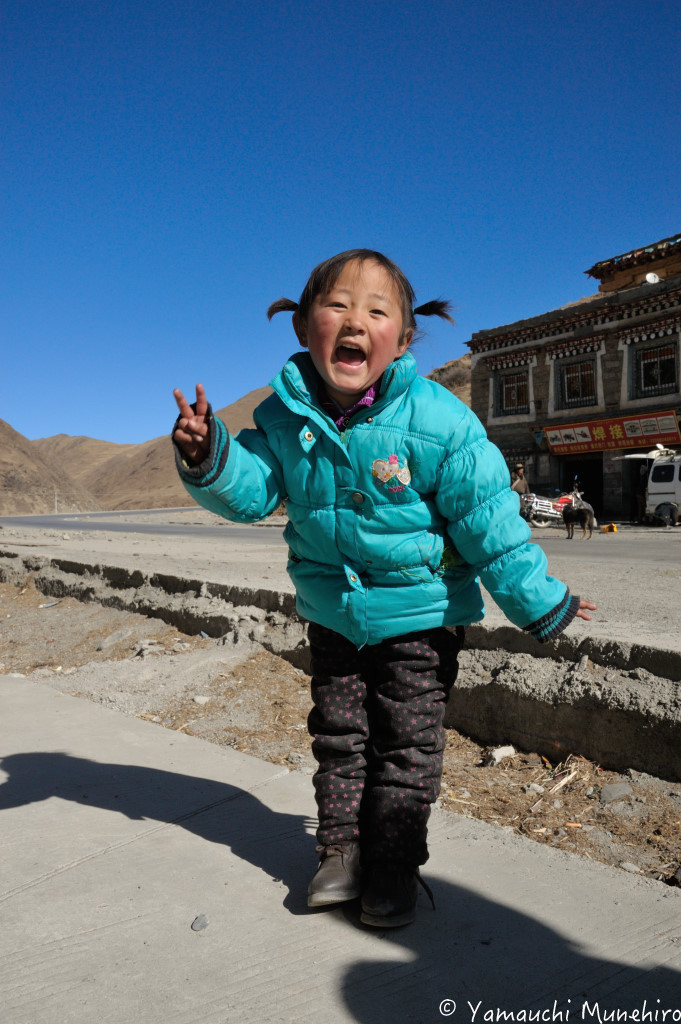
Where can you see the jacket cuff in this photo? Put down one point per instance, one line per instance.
(198, 474)
(554, 622)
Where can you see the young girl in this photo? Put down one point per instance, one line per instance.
(397, 503)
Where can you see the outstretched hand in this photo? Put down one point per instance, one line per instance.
(581, 613)
(192, 432)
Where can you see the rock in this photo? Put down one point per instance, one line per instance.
(200, 699)
(627, 809)
(145, 647)
(533, 787)
(615, 791)
(199, 923)
(626, 865)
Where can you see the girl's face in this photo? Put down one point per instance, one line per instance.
(354, 331)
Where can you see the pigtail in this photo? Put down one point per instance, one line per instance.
(438, 307)
(282, 306)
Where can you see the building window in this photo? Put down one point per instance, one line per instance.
(577, 384)
(513, 393)
(656, 370)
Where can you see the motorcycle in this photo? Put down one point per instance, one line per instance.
(540, 511)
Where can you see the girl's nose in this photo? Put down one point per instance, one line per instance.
(354, 323)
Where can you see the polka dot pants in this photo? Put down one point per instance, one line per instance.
(378, 738)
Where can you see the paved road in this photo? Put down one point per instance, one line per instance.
(634, 545)
(634, 575)
(147, 521)
(631, 544)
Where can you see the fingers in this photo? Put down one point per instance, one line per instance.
(193, 421)
(581, 613)
(201, 401)
(192, 431)
(186, 411)
(183, 405)
(193, 449)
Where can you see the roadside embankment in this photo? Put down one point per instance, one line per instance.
(613, 702)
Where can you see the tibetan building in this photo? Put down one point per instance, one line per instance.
(570, 392)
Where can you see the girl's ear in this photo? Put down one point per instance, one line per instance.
(299, 328)
(405, 341)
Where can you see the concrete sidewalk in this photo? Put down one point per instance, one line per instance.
(117, 835)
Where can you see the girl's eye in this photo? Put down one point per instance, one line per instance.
(380, 312)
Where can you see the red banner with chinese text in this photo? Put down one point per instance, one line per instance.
(641, 431)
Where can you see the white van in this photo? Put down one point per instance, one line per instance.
(664, 481)
(661, 469)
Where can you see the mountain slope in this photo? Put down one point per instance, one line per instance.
(129, 476)
(30, 483)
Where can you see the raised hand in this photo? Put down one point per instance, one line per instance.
(192, 432)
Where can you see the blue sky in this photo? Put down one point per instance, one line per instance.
(170, 167)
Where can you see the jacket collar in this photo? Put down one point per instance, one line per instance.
(298, 381)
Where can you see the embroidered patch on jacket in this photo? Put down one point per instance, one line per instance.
(389, 470)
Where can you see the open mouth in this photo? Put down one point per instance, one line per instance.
(348, 355)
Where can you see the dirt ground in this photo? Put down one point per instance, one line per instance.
(257, 703)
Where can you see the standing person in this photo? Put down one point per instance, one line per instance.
(397, 503)
(519, 482)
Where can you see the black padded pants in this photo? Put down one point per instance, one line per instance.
(378, 738)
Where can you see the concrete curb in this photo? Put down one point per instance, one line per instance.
(623, 723)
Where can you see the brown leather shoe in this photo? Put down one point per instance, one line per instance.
(337, 878)
(389, 896)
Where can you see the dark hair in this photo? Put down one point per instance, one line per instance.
(324, 276)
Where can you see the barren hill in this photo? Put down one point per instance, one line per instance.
(90, 474)
(122, 476)
(32, 484)
(455, 376)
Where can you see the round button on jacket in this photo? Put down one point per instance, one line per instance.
(358, 498)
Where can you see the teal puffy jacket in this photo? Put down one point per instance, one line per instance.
(392, 519)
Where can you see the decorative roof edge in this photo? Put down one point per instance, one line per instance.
(636, 257)
(608, 309)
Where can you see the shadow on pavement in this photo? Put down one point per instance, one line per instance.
(471, 952)
(215, 811)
